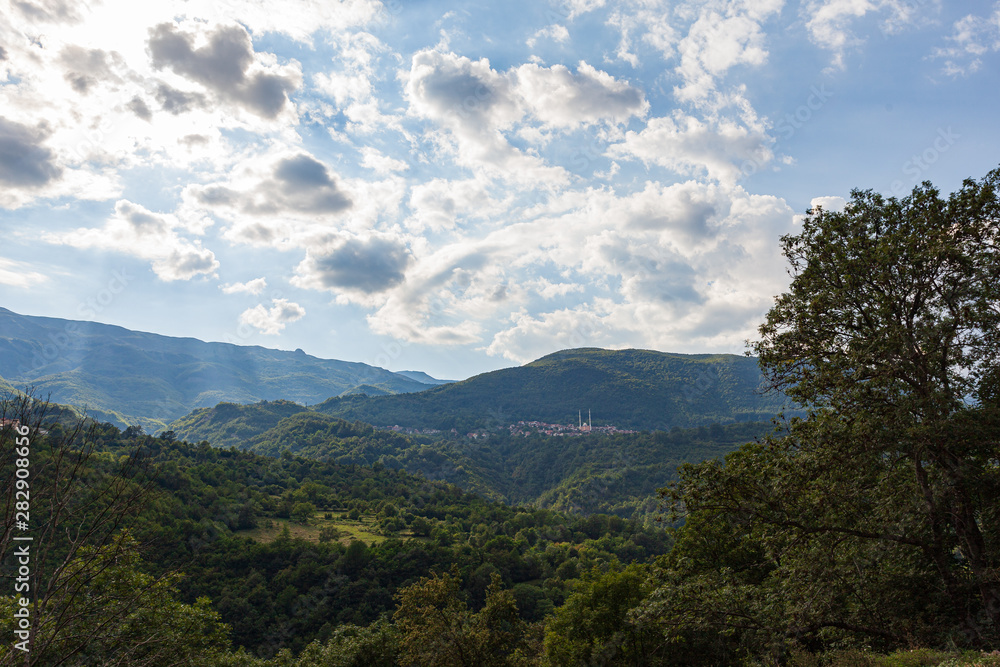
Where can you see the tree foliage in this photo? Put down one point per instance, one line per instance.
(437, 629)
(874, 519)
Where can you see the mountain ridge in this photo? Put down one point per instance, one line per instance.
(640, 389)
(132, 377)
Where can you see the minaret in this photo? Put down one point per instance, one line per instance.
(579, 415)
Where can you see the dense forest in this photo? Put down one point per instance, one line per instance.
(289, 549)
(635, 389)
(611, 473)
(863, 531)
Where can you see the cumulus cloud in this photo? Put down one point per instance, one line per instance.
(138, 106)
(298, 183)
(375, 160)
(677, 258)
(24, 161)
(272, 321)
(154, 237)
(831, 203)
(662, 291)
(530, 336)
(255, 287)
(562, 99)
(440, 204)
(718, 41)
(355, 266)
(716, 147)
(268, 206)
(461, 92)
(225, 64)
(176, 102)
(85, 69)
(477, 105)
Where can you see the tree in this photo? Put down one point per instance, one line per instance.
(89, 603)
(438, 630)
(593, 626)
(302, 512)
(111, 613)
(892, 324)
(875, 518)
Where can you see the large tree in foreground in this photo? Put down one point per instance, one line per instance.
(878, 516)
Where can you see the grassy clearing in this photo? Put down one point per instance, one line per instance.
(364, 529)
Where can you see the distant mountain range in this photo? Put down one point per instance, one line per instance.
(637, 389)
(128, 377)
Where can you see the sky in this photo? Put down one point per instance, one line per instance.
(459, 187)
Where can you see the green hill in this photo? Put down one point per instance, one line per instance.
(128, 377)
(637, 389)
(611, 473)
(232, 425)
(288, 548)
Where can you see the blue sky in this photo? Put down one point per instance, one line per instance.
(458, 187)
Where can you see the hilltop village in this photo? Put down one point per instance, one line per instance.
(525, 428)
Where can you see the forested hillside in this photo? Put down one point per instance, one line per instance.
(129, 377)
(289, 549)
(636, 389)
(615, 473)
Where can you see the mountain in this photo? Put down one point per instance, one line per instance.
(616, 473)
(637, 389)
(420, 376)
(128, 377)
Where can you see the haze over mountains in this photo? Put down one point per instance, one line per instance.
(128, 377)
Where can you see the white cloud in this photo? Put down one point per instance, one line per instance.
(352, 87)
(561, 99)
(830, 203)
(663, 292)
(24, 160)
(578, 7)
(555, 32)
(461, 93)
(830, 22)
(675, 259)
(136, 231)
(476, 105)
(441, 204)
(354, 267)
(717, 42)
(255, 287)
(972, 38)
(19, 274)
(375, 160)
(222, 60)
(716, 147)
(107, 109)
(272, 321)
(278, 200)
(532, 336)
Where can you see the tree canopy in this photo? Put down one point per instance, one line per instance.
(875, 518)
